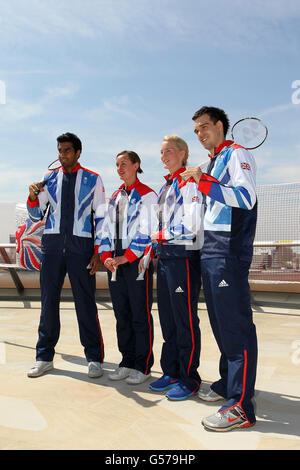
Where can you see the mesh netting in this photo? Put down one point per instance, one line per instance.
(277, 241)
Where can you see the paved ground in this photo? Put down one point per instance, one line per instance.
(66, 410)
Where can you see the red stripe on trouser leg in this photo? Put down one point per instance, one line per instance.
(244, 386)
(149, 322)
(101, 338)
(190, 316)
(243, 393)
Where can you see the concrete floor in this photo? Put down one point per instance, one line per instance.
(65, 409)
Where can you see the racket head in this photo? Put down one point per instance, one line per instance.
(54, 165)
(123, 194)
(249, 132)
(160, 203)
(121, 206)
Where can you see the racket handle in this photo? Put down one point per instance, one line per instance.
(146, 261)
(37, 191)
(114, 276)
(141, 275)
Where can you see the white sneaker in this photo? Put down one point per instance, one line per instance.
(39, 368)
(209, 395)
(226, 420)
(95, 370)
(120, 373)
(137, 377)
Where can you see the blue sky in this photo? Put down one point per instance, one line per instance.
(123, 73)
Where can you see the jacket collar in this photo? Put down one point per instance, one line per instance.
(218, 149)
(77, 167)
(132, 186)
(176, 174)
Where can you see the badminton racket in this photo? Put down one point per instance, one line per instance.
(161, 202)
(52, 167)
(121, 210)
(249, 132)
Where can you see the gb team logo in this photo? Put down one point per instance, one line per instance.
(245, 166)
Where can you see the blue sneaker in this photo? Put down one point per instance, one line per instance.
(179, 392)
(164, 383)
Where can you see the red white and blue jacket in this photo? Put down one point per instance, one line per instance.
(229, 189)
(76, 212)
(180, 217)
(137, 222)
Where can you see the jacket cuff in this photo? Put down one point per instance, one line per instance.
(105, 255)
(32, 203)
(205, 183)
(130, 255)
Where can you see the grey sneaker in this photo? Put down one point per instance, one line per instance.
(120, 373)
(209, 395)
(39, 368)
(137, 377)
(226, 420)
(95, 370)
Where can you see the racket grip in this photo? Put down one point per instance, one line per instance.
(37, 191)
(114, 276)
(141, 275)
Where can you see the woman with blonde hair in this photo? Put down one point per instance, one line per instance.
(177, 243)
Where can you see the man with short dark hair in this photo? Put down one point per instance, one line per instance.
(76, 201)
(228, 186)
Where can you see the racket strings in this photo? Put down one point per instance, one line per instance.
(54, 165)
(250, 133)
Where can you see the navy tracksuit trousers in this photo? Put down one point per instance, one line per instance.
(227, 296)
(53, 270)
(132, 304)
(178, 288)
